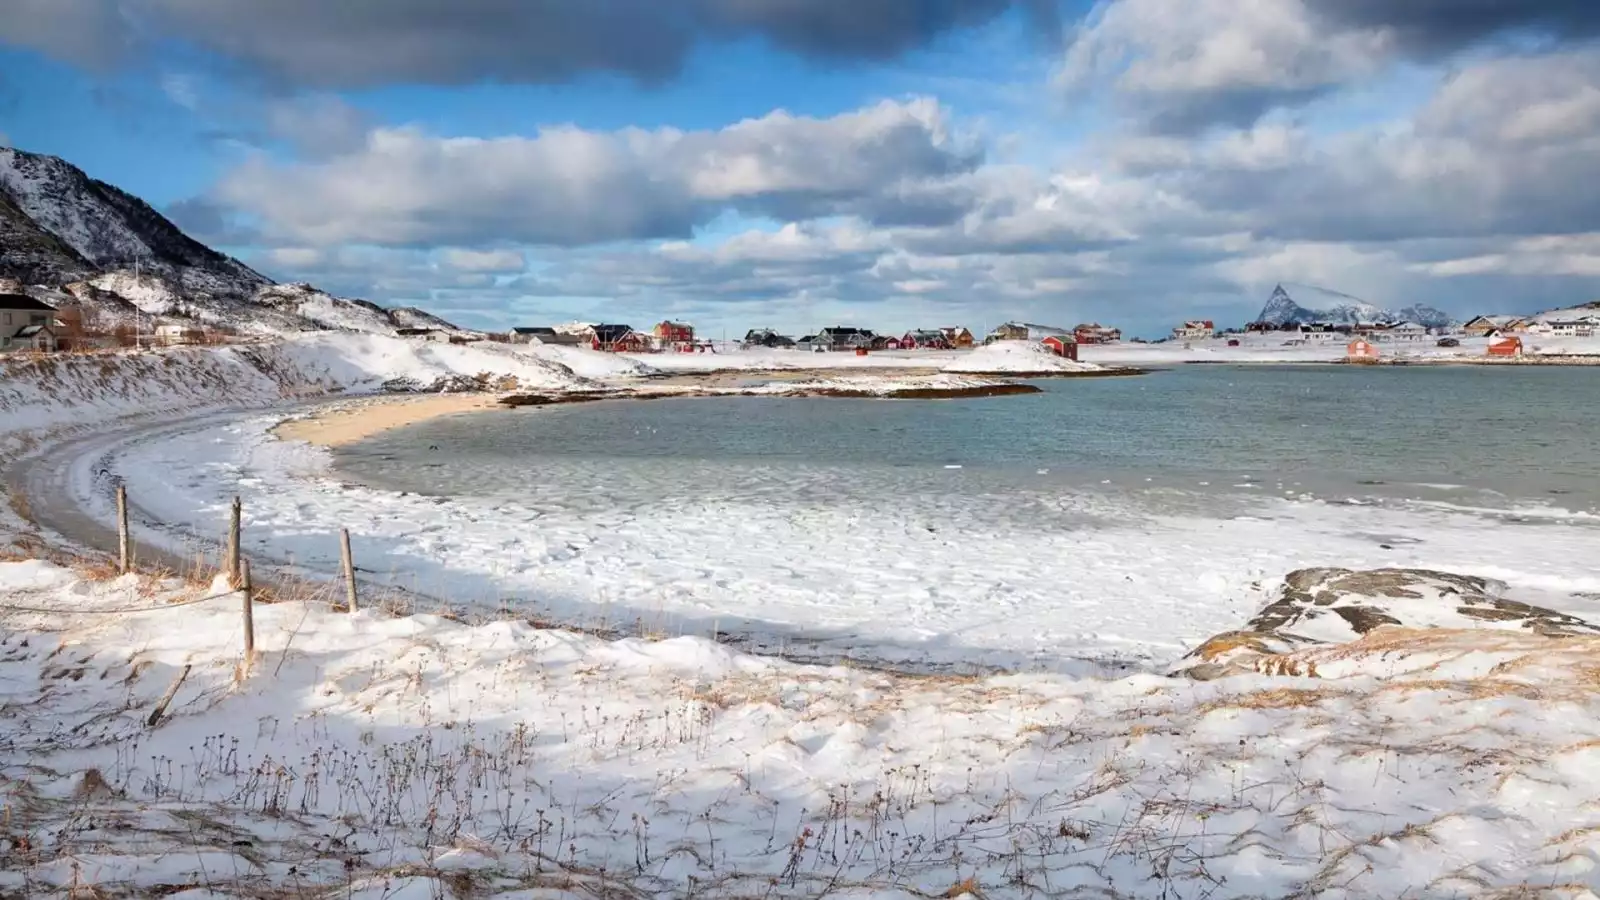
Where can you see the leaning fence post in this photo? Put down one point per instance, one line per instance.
(349, 568)
(233, 545)
(249, 617)
(124, 563)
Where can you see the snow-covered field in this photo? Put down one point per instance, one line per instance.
(374, 757)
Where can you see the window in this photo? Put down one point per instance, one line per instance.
(8, 318)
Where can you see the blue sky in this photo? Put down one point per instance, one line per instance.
(893, 163)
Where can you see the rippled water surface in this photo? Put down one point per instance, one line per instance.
(1197, 435)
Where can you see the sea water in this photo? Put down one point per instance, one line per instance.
(1500, 440)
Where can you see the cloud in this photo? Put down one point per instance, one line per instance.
(1182, 66)
(463, 260)
(318, 126)
(91, 33)
(364, 43)
(1560, 255)
(1439, 27)
(569, 186)
(1496, 152)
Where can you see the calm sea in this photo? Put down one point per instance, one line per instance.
(1509, 441)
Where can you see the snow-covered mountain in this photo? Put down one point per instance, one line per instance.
(1341, 309)
(66, 237)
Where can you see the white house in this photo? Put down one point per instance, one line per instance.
(178, 334)
(1405, 332)
(1198, 329)
(26, 324)
(1580, 326)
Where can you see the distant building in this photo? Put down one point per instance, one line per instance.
(179, 334)
(1489, 326)
(671, 335)
(1024, 331)
(1195, 330)
(1095, 333)
(1360, 350)
(1507, 347)
(1062, 345)
(619, 339)
(26, 324)
(926, 339)
(766, 338)
(842, 337)
(959, 337)
(543, 335)
(1585, 326)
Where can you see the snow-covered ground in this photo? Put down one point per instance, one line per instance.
(369, 756)
(372, 757)
(1128, 576)
(38, 395)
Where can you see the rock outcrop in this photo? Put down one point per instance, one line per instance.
(1328, 606)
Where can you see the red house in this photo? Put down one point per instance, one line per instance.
(619, 339)
(1510, 347)
(1062, 345)
(671, 335)
(924, 340)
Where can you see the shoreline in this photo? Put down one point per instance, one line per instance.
(339, 424)
(351, 420)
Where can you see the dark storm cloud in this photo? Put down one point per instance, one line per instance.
(361, 43)
(1442, 26)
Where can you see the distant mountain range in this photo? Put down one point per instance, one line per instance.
(1341, 309)
(67, 238)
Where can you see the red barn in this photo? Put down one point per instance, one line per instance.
(1062, 345)
(1360, 350)
(1510, 347)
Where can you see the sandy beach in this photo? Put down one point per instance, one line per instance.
(348, 423)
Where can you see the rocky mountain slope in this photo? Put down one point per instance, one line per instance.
(68, 238)
(1341, 309)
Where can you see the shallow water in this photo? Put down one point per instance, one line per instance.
(1502, 439)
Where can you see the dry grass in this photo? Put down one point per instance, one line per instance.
(1273, 698)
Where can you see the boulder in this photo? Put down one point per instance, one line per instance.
(1325, 606)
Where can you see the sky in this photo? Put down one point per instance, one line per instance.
(891, 164)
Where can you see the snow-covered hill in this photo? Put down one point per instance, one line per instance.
(1567, 314)
(59, 227)
(39, 395)
(1341, 309)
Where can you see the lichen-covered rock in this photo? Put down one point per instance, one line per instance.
(1334, 606)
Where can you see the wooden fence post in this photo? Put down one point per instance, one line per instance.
(349, 568)
(233, 545)
(124, 549)
(249, 617)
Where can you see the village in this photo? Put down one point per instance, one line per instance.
(31, 325)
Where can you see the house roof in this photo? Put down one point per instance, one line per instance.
(31, 330)
(610, 334)
(537, 329)
(843, 331)
(23, 301)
